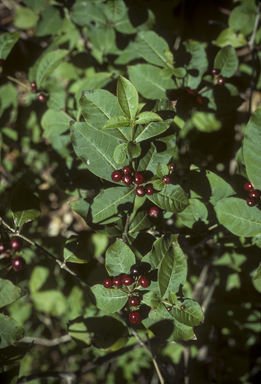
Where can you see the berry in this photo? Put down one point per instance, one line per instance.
(127, 280)
(166, 179)
(251, 202)
(15, 244)
(139, 178)
(171, 167)
(140, 191)
(254, 193)
(136, 270)
(182, 307)
(248, 186)
(33, 85)
(18, 263)
(107, 283)
(135, 317)
(127, 170)
(116, 281)
(127, 179)
(41, 97)
(1, 62)
(116, 175)
(199, 100)
(220, 80)
(215, 71)
(134, 301)
(149, 190)
(144, 281)
(33, 90)
(153, 211)
(169, 309)
(2, 247)
(190, 92)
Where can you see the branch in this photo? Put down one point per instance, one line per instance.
(69, 377)
(46, 342)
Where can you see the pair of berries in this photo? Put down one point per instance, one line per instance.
(41, 96)
(182, 308)
(253, 194)
(18, 262)
(220, 79)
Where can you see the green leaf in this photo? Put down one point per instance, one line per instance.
(105, 207)
(80, 206)
(151, 130)
(119, 258)
(76, 251)
(242, 19)
(25, 18)
(151, 48)
(251, 148)
(7, 41)
(128, 97)
(172, 198)
(84, 12)
(258, 272)
(120, 153)
(226, 60)
(115, 10)
(50, 22)
(117, 122)
(179, 72)
(25, 205)
(126, 55)
(158, 184)
(158, 309)
(147, 117)
(38, 277)
(229, 37)
(10, 331)
(51, 301)
(191, 316)
(148, 82)
(54, 123)
(48, 63)
(109, 300)
(162, 170)
(194, 214)
(238, 217)
(36, 5)
(198, 62)
(134, 150)
(9, 292)
(141, 221)
(159, 249)
(102, 37)
(205, 122)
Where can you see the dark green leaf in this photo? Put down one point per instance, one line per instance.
(242, 18)
(48, 63)
(25, 205)
(226, 60)
(258, 272)
(191, 315)
(195, 213)
(10, 331)
(172, 198)
(115, 10)
(147, 117)
(36, 5)
(25, 18)
(134, 149)
(80, 206)
(76, 251)
(54, 123)
(152, 129)
(119, 258)
(117, 122)
(84, 12)
(128, 97)
(52, 302)
(120, 153)
(162, 170)
(109, 300)
(151, 48)
(7, 41)
(9, 293)
(170, 330)
(38, 277)
(50, 22)
(198, 62)
(229, 37)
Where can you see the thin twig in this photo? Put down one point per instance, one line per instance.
(46, 342)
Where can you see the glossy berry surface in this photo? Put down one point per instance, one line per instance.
(153, 211)
(220, 80)
(171, 167)
(127, 279)
(127, 170)
(134, 301)
(116, 175)
(33, 85)
(182, 307)
(18, 263)
(169, 309)
(127, 179)
(138, 177)
(215, 71)
(15, 244)
(135, 317)
(116, 281)
(166, 179)
(149, 190)
(136, 270)
(41, 98)
(248, 186)
(254, 193)
(2, 247)
(251, 202)
(107, 283)
(144, 281)
(140, 191)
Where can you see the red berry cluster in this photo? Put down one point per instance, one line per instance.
(220, 79)
(136, 277)
(5, 251)
(191, 94)
(253, 194)
(128, 176)
(41, 96)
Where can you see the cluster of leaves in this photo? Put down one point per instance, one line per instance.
(95, 114)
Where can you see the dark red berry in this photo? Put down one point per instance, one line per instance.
(136, 270)
(255, 194)
(2, 247)
(149, 190)
(190, 92)
(127, 179)
(171, 167)
(248, 186)
(139, 178)
(1, 62)
(127, 279)
(116, 281)
(220, 80)
(135, 317)
(18, 263)
(199, 100)
(166, 179)
(134, 301)
(153, 211)
(33, 85)
(15, 244)
(41, 98)
(215, 71)
(116, 176)
(251, 201)
(140, 191)
(107, 283)
(144, 281)
(33, 90)
(127, 170)
(182, 307)
(169, 309)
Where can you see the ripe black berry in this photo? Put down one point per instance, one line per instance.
(33, 90)
(127, 170)
(140, 191)
(116, 175)
(153, 211)
(251, 201)
(182, 307)
(33, 85)
(41, 98)
(15, 244)
(135, 317)
(166, 179)
(215, 71)
(136, 270)
(149, 190)
(171, 167)
(127, 179)
(248, 186)
(254, 193)
(127, 280)
(169, 309)
(220, 80)
(116, 281)
(18, 263)
(134, 301)
(107, 283)
(139, 178)
(2, 247)
(144, 281)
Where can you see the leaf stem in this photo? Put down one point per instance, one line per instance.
(18, 82)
